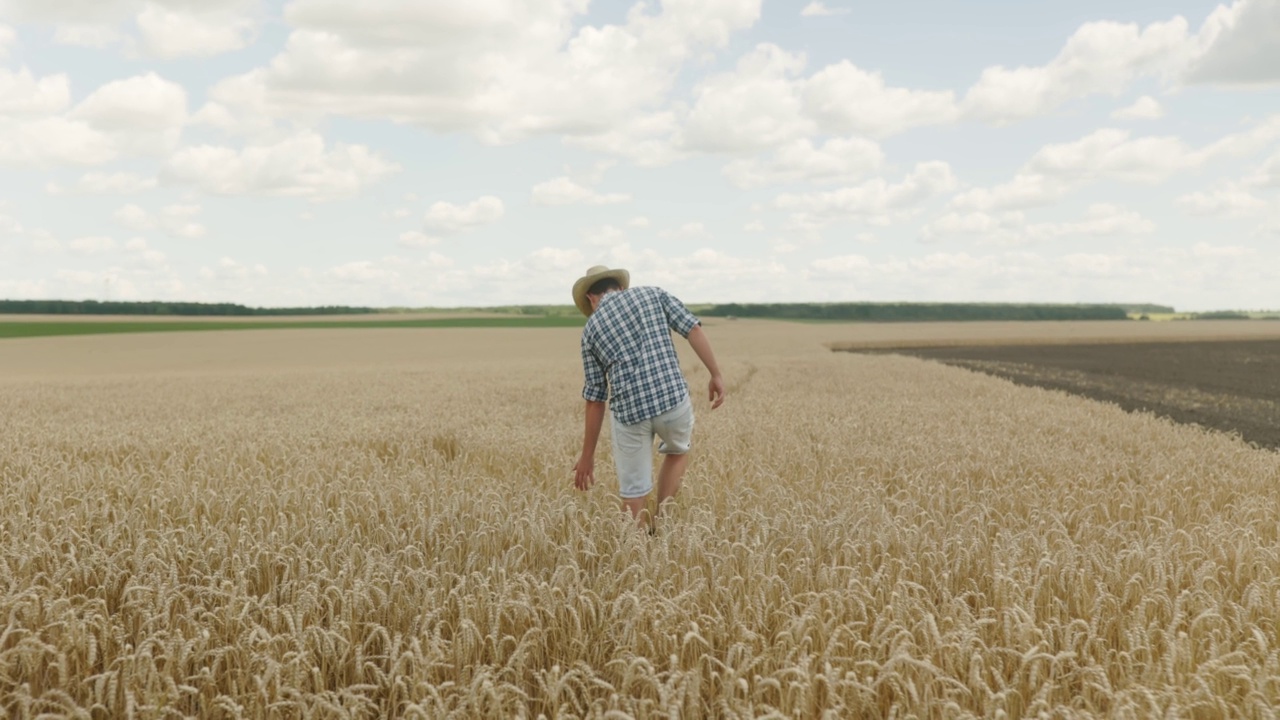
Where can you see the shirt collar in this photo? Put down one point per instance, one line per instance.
(608, 295)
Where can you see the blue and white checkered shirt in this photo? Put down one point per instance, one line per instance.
(627, 354)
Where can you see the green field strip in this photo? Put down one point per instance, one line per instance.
(50, 329)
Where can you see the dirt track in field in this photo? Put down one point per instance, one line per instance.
(1225, 385)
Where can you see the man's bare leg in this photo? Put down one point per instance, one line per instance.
(639, 512)
(670, 476)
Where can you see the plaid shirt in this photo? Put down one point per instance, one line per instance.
(628, 357)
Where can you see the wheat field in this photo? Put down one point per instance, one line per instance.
(287, 524)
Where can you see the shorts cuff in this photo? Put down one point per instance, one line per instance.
(627, 496)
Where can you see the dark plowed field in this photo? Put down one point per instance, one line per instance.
(1229, 386)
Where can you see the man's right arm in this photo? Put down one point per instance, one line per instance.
(584, 471)
(595, 392)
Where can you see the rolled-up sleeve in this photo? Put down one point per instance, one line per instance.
(595, 388)
(678, 316)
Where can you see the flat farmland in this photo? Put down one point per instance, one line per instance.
(1232, 386)
(23, 326)
(381, 523)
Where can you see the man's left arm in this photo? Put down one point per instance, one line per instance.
(688, 325)
(702, 346)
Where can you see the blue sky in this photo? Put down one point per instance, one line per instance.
(413, 153)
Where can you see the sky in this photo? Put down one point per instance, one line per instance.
(439, 153)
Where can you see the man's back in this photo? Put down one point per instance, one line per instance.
(628, 356)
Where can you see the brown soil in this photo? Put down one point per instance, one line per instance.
(1229, 386)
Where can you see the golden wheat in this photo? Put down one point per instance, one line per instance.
(858, 536)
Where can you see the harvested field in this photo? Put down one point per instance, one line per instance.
(868, 336)
(381, 523)
(1229, 386)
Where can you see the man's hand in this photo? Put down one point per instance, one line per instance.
(584, 473)
(715, 391)
(698, 341)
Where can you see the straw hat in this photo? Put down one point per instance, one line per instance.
(594, 275)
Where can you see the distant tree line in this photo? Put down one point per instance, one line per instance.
(917, 312)
(1221, 315)
(95, 307)
(1148, 309)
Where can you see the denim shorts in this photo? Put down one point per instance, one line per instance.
(633, 446)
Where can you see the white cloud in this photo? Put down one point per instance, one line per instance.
(362, 271)
(1230, 200)
(647, 139)
(54, 140)
(755, 106)
(167, 28)
(876, 201)
(139, 115)
(603, 236)
(148, 260)
(421, 279)
(98, 37)
(300, 166)
(838, 160)
(819, 9)
(501, 70)
(1255, 139)
(704, 274)
(1024, 191)
(145, 114)
(418, 240)
(447, 218)
(8, 37)
(688, 231)
(134, 218)
(639, 221)
(21, 93)
(1267, 175)
(541, 273)
(564, 191)
(1005, 225)
(844, 99)
(1010, 276)
(1144, 108)
(174, 220)
(1111, 153)
(230, 269)
(1100, 57)
(1239, 45)
(1207, 250)
(9, 226)
(81, 283)
(1011, 228)
(840, 266)
(755, 226)
(99, 183)
(1102, 220)
(189, 31)
(59, 11)
(92, 245)
(240, 109)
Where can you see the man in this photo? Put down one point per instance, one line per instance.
(630, 362)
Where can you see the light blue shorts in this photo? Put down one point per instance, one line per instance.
(633, 446)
